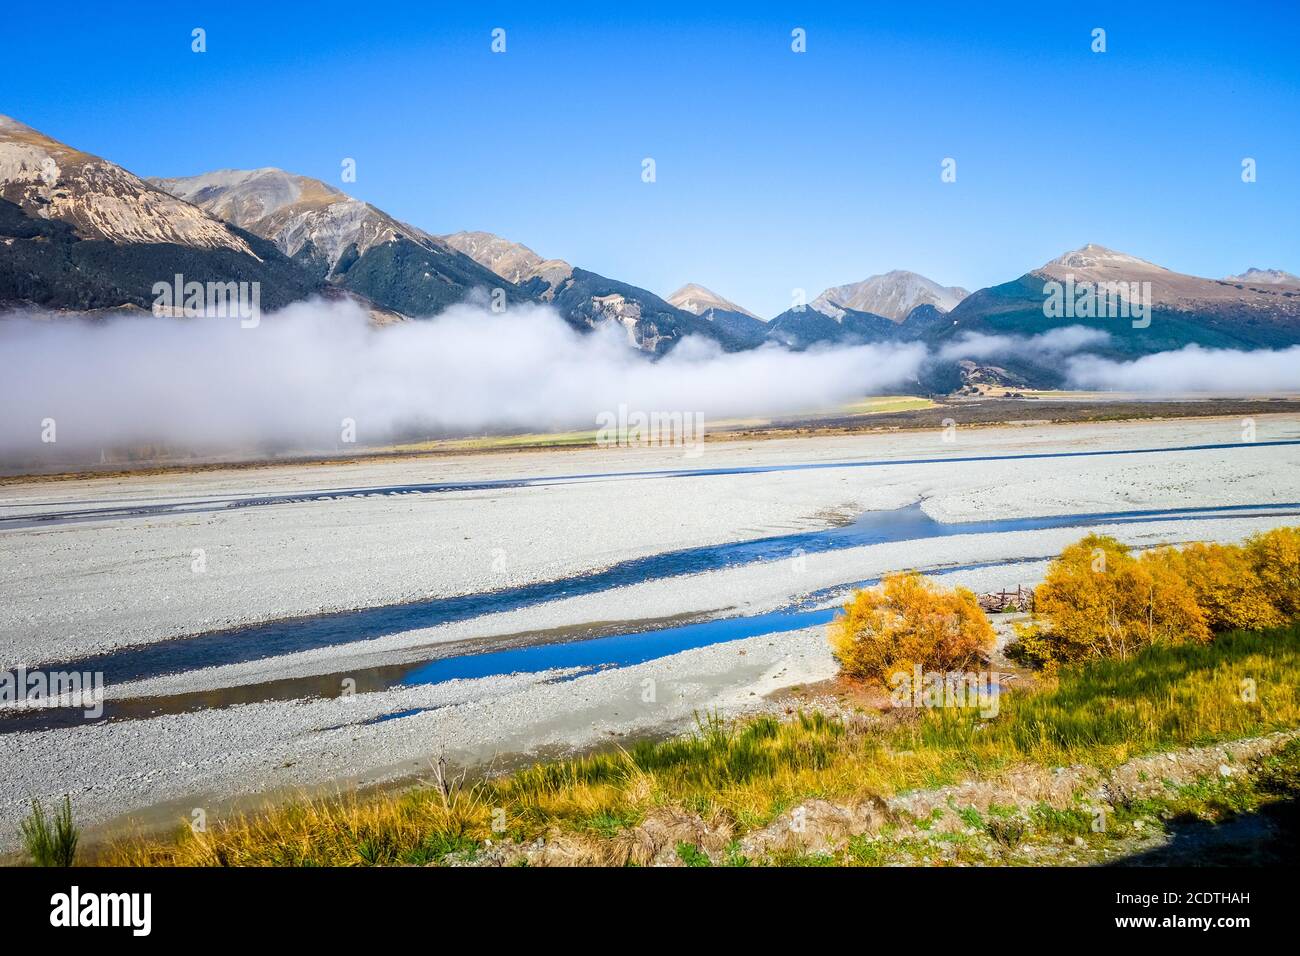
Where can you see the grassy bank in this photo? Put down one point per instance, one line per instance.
(1242, 813)
(734, 778)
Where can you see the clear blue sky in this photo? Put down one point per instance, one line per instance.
(775, 170)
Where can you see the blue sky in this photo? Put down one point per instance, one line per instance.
(775, 170)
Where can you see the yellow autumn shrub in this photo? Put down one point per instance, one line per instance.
(1275, 557)
(909, 620)
(1227, 587)
(1097, 600)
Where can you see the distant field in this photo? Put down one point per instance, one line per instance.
(1031, 407)
(880, 413)
(488, 442)
(869, 405)
(886, 403)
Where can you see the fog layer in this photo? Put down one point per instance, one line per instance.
(302, 375)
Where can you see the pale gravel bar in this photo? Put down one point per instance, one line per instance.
(73, 589)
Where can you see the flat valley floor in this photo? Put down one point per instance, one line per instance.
(265, 630)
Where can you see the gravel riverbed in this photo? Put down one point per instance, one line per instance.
(79, 588)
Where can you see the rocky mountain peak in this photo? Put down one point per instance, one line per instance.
(1265, 277)
(697, 300)
(891, 294)
(100, 200)
(511, 260)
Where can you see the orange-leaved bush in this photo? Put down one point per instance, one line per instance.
(1224, 580)
(1275, 556)
(906, 621)
(1097, 600)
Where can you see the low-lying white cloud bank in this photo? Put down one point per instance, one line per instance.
(300, 375)
(1055, 342)
(1192, 369)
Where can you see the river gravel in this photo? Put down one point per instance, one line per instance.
(73, 589)
(116, 768)
(77, 588)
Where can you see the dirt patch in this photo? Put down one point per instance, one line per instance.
(818, 826)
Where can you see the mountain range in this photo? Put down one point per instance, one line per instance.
(340, 240)
(1185, 310)
(80, 233)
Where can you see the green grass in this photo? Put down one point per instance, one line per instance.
(1184, 694)
(743, 775)
(691, 855)
(51, 841)
(1267, 789)
(880, 404)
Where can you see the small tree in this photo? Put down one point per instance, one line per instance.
(1275, 557)
(1227, 587)
(906, 621)
(1097, 600)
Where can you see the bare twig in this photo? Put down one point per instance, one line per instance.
(449, 788)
